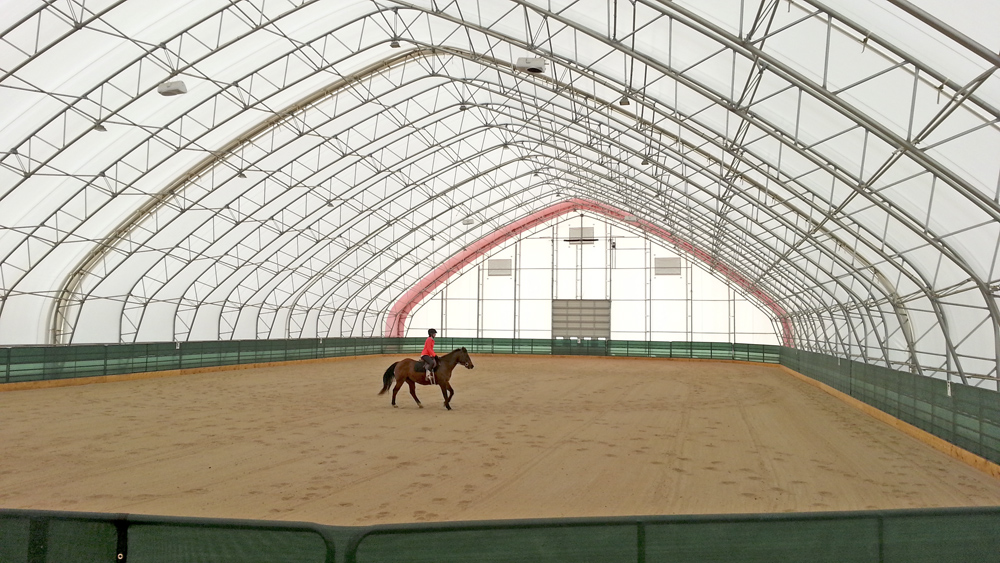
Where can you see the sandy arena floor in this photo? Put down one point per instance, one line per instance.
(528, 437)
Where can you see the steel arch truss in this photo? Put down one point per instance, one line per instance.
(314, 173)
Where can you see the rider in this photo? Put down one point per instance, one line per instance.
(428, 356)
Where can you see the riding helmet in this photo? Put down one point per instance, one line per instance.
(431, 332)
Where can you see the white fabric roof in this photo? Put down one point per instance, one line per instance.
(841, 156)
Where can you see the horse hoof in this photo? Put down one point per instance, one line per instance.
(419, 405)
(395, 406)
(447, 406)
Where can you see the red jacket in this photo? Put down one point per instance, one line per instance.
(428, 347)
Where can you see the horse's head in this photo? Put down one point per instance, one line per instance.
(464, 359)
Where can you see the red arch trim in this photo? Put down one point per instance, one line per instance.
(396, 319)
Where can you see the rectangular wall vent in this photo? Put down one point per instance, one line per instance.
(667, 266)
(499, 267)
(581, 235)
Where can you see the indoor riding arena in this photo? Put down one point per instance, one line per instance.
(528, 437)
(553, 440)
(504, 281)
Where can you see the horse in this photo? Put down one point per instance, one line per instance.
(405, 372)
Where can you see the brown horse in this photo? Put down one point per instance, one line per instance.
(404, 372)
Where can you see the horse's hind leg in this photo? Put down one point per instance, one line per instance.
(399, 383)
(413, 391)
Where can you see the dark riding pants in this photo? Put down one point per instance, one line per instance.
(430, 362)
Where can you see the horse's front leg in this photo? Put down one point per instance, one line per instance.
(448, 392)
(413, 391)
(444, 393)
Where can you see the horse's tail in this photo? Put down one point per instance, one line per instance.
(387, 378)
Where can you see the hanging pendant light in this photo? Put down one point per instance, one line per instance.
(395, 25)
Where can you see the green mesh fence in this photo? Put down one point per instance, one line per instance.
(65, 539)
(925, 538)
(778, 540)
(33, 363)
(28, 536)
(892, 536)
(160, 543)
(500, 542)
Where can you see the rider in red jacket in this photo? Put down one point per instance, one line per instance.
(428, 356)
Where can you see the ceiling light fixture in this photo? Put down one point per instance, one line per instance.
(172, 88)
(100, 127)
(624, 101)
(241, 175)
(395, 26)
(534, 65)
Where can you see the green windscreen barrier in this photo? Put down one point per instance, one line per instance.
(541, 544)
(34, 363)
(934, 538)
(768, 541)
(886, 536)
(81, 542)
(56, 540)
(157, 543)
(14, 539)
